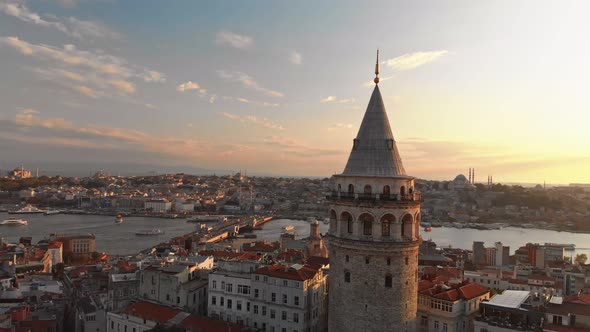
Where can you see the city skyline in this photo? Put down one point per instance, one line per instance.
(218, 88)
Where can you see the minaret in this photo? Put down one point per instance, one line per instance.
(374, 232)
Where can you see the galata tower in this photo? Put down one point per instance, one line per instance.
(374, 232)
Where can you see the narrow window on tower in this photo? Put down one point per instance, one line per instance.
(388, 281)
(388, 261)
(367, 260)
(346, 276)
(347, 258)
(407, 260)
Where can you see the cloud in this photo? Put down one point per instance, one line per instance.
(190, 85)
(371, 83)
(233, 39)
(340, 126)
(29, 111)
(257, 103)
(335, 100)
(248, 82)
(29, 128)
(414, 60)
(88, 92)
(71, 26)
(102, 75)
(251, 119)
(296, 58)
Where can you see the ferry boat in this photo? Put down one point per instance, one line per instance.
(288, 228)
(50, 212)
(14, 222)
(119, 219)
(149, 232)
(27, 209)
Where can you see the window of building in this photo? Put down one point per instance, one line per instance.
(368, 189)
(256, 277)
(256, 292)
(284, 298)
(273, 297)
(221, 301)
(243, 289)
(388, 281)
(177, 299)
(213, 300)
(263, 310)
(296, 300)
(436, 325)
(445, 327)
(351, 188)
(239, 305)
(388, 261)
(367, 260)
(295, 317)
(255, 309)
(283, 315)
(557, 320)
(346, 276)
(407, 260)
(214, 284)
(347, 259)
(285, 283)
(167, 297)
(229, 287)
(247, 306)
(229, 303)
(423, 321)
(223, 285)
(272, 313)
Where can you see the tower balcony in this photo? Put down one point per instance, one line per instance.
(415, 197)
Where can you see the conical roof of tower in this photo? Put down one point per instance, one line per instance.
(374, 151)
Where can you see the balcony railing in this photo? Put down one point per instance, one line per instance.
(413, 197)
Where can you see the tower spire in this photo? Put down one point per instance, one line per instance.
(376, 80)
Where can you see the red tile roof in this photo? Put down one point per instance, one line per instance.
(462, 291)
(55, 245)
(285, 272)
(151, 311)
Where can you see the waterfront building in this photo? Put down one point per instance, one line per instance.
(374, 235)
(180, 284)
(158, 205)
(289, 298)
(55, 251)
(80, 245)
(479, 253)
(449, 307)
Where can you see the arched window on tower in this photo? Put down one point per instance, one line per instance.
(407, 226)
(346, 218)
(402, 191)
(351, 189)
(339, 188)
(368, 189)
(386, 222)
(388, 280)
(333, 222)
(367, 222)
(386, 191)
(346, 276)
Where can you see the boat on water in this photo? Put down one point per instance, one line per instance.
(119, 219)
(27, 209)
(149, 232)
(288, 228)
(14, 222)
(50, 212)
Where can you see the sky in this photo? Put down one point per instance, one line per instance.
(280, 87)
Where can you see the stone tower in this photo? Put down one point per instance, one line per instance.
(374, 233)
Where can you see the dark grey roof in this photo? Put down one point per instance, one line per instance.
(374, 151)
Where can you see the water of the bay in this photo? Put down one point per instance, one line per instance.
(121, 239)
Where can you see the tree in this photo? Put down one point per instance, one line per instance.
(581, 259)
